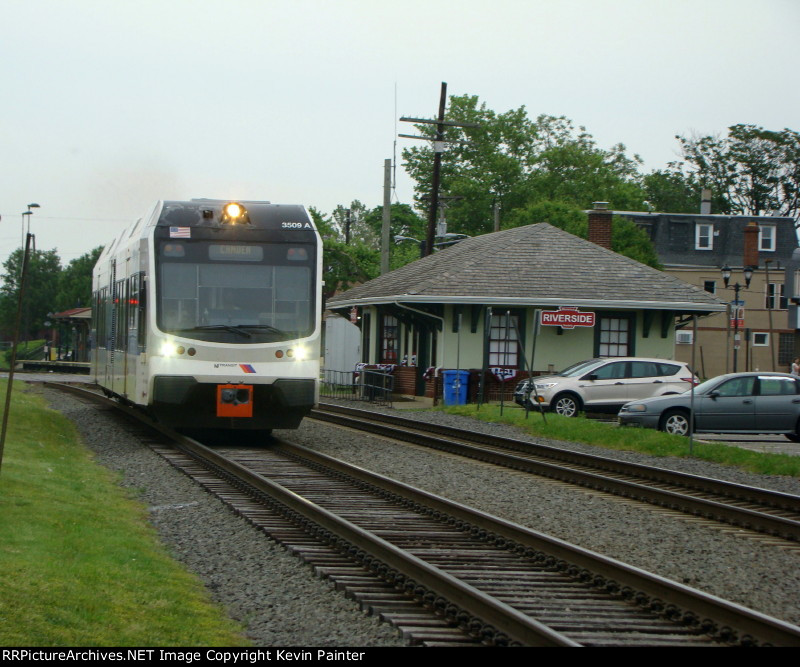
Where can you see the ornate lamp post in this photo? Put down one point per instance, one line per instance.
(726, 276)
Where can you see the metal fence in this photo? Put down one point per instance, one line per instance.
(371, 386)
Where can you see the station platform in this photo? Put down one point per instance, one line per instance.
(79, 367)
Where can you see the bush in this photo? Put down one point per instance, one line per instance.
(31, 349)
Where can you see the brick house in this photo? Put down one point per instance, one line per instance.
(695, 248)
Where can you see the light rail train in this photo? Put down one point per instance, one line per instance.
(206, 314)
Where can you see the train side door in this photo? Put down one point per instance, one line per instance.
(110, 325)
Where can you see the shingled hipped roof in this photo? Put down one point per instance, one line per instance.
(535, 265)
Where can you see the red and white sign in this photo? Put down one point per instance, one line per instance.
(567, 318)
(737, 314)
(354, 315)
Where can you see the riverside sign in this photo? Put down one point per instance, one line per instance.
(567, 317)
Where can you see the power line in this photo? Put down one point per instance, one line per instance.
(58, 217)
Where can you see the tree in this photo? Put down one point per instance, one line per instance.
(626, 237)
(565, 216)
(511, 161)
(757, 171)
(570, 167)
(41, 288)
(75, 282)
(343, 265)
(672, 190)
(486, 168)
(403, 221)
(352, 225)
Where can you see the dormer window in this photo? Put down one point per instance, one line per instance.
(766, 238)
(704, 236)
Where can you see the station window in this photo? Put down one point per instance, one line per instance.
(390, 340)
(614, 336)
(503, 341)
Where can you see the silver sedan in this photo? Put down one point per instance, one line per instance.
(733, 403)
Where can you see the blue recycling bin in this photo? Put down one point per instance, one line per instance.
(455, 387)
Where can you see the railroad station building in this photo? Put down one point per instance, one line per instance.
(474, 306)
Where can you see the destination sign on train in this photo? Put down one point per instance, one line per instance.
(251, 253)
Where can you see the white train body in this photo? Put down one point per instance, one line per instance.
(209, 316)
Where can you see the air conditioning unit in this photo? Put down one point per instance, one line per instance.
(684, 337)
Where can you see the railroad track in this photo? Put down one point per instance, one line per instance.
(450, 575)
(768, 513)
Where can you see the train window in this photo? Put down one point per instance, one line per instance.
(133, 301)
(102, 315)
(120, 314)
(236, 292)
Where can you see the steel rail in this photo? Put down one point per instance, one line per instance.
(516, 626)
(619, 575)
(725, 620)
(413, 431)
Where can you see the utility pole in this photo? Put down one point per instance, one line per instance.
(13, 363)
(438, 149)
(387, 215)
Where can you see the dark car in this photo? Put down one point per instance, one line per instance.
(733, 403)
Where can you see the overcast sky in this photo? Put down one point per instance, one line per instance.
(110, 105)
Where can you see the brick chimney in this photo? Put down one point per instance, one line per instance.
(750, 257)
(600, 224)
(705, 202)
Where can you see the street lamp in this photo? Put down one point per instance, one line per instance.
(27, 213)
(726, 276)
(22, 233)
(421, 244)
(448, 240)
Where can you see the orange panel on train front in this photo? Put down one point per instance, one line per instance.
(234, 400)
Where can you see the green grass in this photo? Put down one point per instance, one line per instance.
(642, 440)
(79, 564)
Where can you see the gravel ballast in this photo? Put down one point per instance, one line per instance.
(281, 603)
(272, 593)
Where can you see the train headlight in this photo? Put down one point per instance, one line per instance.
(234, 213)
(168, 349)
(299, 353)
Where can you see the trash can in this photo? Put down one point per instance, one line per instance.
(455, 387)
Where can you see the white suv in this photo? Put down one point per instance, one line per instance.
(605, 384)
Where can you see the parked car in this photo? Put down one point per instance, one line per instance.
(732, 403)
(604, 384)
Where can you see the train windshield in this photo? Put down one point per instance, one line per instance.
(236, 293)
